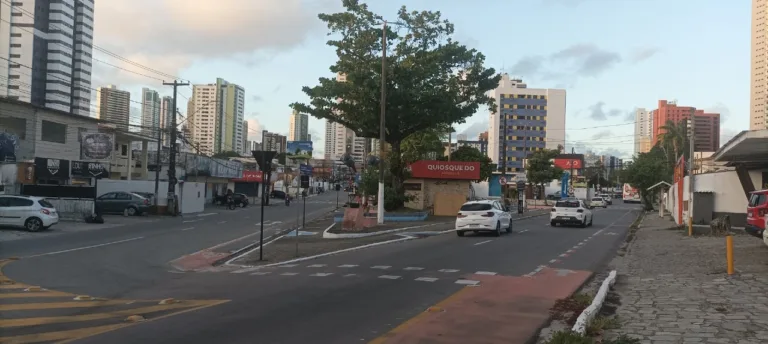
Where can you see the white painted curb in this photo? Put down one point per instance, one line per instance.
(329, 235)
(589, 313)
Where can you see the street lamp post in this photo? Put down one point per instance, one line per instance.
(264, 159)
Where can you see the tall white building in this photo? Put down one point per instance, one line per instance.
(335, 140)
(150, 112)
(533, 118)
(201, 114)
(51, 43)
(113, 106)
(245, 149)
(166, 106)
(298, 129)
(759, 67)
(643, 131)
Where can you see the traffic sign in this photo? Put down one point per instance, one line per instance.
(305, 169)
(503, 180)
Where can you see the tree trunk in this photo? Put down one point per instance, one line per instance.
(397, 170)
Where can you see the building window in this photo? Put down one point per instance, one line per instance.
(54, 132)
(14, 125)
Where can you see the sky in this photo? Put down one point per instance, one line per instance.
(611, 56)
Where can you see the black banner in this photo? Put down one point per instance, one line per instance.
(47, 168)
(85, 169)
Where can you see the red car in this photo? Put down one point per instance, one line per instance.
(756, 212)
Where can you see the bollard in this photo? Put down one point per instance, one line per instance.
(729, 253)
(690, 226)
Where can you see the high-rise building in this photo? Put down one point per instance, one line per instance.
(298, 129)
(166, 104)
(336, 136)
(113, 106)
(461, 137)
(643, 131)
(216, 112)
(759, 65)
(528, 119)
(201, 115)
(706, 130)
(245, 149)
(51, 43)
(273, 142)
(150, 112)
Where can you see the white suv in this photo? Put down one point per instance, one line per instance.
(32, 213)
(483, 216)
(570, 211)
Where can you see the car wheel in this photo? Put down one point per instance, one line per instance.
(130, 211)
(33, 224)
(509, 228)
(498, 229)
(590, 220)
(584, 224)
(553, 223)
(460, 233)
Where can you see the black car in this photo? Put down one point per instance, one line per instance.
(241, 200)
(277, 194)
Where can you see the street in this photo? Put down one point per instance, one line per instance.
(351, 297)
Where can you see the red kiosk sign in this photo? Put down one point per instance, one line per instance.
(250, 176)
(432, 169)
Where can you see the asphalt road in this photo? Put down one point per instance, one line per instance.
(352, 297)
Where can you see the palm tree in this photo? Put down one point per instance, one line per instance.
(673, 138)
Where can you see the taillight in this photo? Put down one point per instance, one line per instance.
(580, 211)
(146, 201)
(488, 214)
(554, 210)
(460, 215)
(45, 211)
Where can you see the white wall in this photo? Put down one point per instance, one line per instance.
(192, 197)
(729, 197)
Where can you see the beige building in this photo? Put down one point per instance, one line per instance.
(113, 106)
(758, 80)
(201, 113)
(643, 131)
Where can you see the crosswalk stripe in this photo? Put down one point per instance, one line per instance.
(58, 305)
(93, 316)
(33, 294)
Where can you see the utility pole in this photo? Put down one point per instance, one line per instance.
(158, 166)
(382, 126)
(172, 152)
(570, 187)
(690, 173)
(504, 187)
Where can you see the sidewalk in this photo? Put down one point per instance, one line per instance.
(674, 288)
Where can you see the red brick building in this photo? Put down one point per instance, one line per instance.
(706, 129)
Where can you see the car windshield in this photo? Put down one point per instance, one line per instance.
(567, 204)
(597, 199)
(476, 207)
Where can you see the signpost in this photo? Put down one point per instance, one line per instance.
(306, 171)
(264, 159)
(520, 196)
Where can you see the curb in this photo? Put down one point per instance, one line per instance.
(329, 235)
(589, 313)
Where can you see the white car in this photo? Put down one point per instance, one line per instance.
(570, 212)
(32, 213)
(483, 216)
(598, 202)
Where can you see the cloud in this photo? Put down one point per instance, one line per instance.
(174, 34)
(474, 130)
(567, 65)
(254, 129)
(630, 116)
(727, 134)
(277, 89)
(256, 98)
(602, 135)
(643, 54)
(722, 109)
(597, 112)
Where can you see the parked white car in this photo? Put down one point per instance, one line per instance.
(570, 211)
(483, 216)
(598, 202)
(32, 213)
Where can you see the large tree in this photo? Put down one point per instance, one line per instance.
(431, 80)
(541, 168)
(646, 170)
(468, 153)
(423, 145)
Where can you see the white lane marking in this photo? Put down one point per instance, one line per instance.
(316, 266)
(191, 221)
(535, 271)
(85, 247)
(289, 273)
(467, 282)
(381, 267)
(206, 214)
(523, 231)
(487, 273)
(321, 274)
(242, 271)
(483, 242)
(569, 251)
(350, 275)
(563, 255)
(413, 268)
(261, 273)
(348, 266)
(222, 222)
(553, 261)
(186, 229)
(389, 277)
(448, 270)
(426, 279)
(289, 265)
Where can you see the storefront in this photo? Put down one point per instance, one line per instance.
(250, 184)
(440, 186)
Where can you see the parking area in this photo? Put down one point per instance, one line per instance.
(63, 227)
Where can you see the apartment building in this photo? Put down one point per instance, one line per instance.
(216, 112)
(643, 131)
(758, 67)
(48, 46)
(245, 148)
(298, 128)
(113, 106)
(201, 115)
(166, 111)
(706, 130)
(528, 119)
(273, 142)
(150, 112)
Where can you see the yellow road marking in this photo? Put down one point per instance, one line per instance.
(408, 323)
(56, 305)
(29, 294)
(59, 335)
(94, 316)
(14, 286)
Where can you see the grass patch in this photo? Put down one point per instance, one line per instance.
(569, 337)
(599, 324)
(569, 309)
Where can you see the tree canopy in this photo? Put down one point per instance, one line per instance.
(422, 145)
(431, 79)
(646, 170)
(541, 169)
(468, 153)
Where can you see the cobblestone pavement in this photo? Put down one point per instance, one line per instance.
(674, 288)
